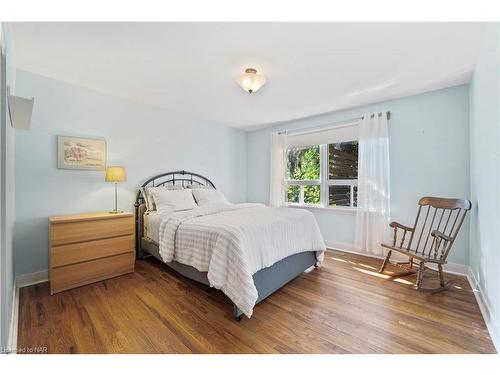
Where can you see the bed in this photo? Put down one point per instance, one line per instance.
(284, 243)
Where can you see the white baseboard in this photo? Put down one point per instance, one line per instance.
(489, 318)
(347, 247)
(453, 268)
(32, 278)
(20, 282)
(456, 269)
(14, 320)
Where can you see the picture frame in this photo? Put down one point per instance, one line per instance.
(81, 153)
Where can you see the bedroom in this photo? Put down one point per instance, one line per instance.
(226, 187)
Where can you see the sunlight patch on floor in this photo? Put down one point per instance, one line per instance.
(376, 274)
(382, 276)
(366, 266)
(351, 262)
(339, 260)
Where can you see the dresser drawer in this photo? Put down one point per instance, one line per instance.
(82, 251)
(67, 233)
(74, 275)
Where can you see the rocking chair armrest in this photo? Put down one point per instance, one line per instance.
(436, 233)
(395, 224)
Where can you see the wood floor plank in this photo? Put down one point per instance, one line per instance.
(343, 307)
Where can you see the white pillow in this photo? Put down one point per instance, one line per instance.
(198, 186)
(147, 194)
(205, 197)
(173, 200)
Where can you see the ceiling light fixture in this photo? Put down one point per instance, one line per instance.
(250, 81)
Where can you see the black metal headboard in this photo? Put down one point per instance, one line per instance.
(182, 178)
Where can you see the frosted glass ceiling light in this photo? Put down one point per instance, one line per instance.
(250, 81)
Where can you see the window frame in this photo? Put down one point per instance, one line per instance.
(324, 183)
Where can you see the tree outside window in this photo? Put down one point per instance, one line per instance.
(336, 187)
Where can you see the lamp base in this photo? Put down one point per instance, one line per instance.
(115, 212)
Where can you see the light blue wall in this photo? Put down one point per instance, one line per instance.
(485, 173)
(428, 136)
(7, 196)
(429, 143)
(145, 140)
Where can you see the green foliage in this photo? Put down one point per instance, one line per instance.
(293, 193)
(303, 163)
(312, 194)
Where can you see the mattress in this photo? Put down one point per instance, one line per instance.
(152, 221)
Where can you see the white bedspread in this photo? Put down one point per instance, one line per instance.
(232, 242)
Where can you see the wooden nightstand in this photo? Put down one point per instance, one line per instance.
(86, 248)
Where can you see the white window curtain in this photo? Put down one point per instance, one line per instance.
(373, 212)
(277, 186)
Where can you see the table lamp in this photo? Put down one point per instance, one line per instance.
(115, 174)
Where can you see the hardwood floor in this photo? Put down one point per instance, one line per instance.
(343, 307)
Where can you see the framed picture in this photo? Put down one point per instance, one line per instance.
(81, 153)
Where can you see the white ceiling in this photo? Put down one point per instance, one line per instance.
(311, 68)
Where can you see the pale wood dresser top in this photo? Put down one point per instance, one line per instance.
(88, 217)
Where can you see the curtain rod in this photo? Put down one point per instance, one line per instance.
(388, 113)
(343, 123)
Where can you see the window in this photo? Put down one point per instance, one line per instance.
(323, 175)
(303, 175)
(343, 174)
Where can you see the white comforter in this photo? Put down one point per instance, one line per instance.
(232, 242)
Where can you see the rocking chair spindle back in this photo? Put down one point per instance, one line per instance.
(436, 226)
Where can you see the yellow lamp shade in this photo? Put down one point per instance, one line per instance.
(115, 174)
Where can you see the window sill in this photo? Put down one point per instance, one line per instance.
(340, 210)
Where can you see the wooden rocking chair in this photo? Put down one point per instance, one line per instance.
(438, 228)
